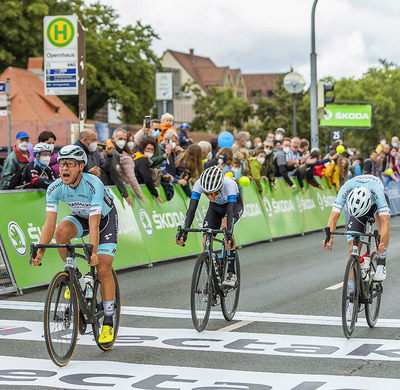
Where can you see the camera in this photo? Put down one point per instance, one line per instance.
(147, 121)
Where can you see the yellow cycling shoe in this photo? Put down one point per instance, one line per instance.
(67, 293)
(107, 334)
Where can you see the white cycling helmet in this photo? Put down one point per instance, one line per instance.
(211, 179)
(41, 147)
(72, 152)
(359, 201)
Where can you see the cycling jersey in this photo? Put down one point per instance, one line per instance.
(373, 183)
(88, 198)
(229, 192)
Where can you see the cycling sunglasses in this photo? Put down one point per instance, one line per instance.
(68, 163)
(216, 193)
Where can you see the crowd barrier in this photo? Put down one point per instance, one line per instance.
(147, 231)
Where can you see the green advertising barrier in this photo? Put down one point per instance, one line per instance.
(281, 210)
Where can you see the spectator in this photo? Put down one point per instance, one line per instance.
(159, 155)
(256, 144)
(128, 165)
(15, 162)
(382, 142)
(256, 163)
(270, 137)
(49, 138)
(304, 146)
(370, 162)
(37, 173)
(280, 161)
(143, 163)
(380, 164)
(214, 147)
(294, 159)
(337, 173)
(96, 162)
(393, 164)
(189, 166)
(395, 142)
(243, 155)
(313, 163)
(268, 169)
(166, 124)
(242, 141)
(184, 140)
(206, 154)
(279, 134)
(113, 176)
(357, 167)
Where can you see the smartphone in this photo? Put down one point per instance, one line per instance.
(101, 146)
(147, 119)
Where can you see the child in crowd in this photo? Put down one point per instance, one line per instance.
(184, 140)
(166, 124)
(256, 164)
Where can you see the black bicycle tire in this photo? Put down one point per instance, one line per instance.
(348, 330)
(372, 309)
(60, 360)
(97, 305)
(199, 266)
(229, 313)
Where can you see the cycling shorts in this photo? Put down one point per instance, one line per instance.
(359, 225)
(217, 212)
(108, 231)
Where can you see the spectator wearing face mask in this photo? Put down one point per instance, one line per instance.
(256, 163)
(143, 163)
(16, 160)
(242, 141)
(96, 161)
(279, 135)
(49, 137)
(395, 142)
(256, 144)
(159, 155)
(128, 165)
(37, 173)
(382, 142)
(268, 168)
(243, 155)
(113, 175)
(280, 162)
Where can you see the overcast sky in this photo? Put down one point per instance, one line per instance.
(265, 36)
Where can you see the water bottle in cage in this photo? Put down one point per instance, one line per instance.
(89, 285)
(70, 262)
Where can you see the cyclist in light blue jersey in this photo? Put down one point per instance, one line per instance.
(93, 214)
(364, 198)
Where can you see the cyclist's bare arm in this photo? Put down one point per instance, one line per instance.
(94, 223)
(46, 236)
(332, 222)
(383, 223)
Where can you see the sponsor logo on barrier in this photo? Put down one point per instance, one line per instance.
(168, 220)
(251, 210)
(278, 206)
(299, 205)
(305, 204)
(17, 238)
(268, 207)
(146, 222)
(393, 193)
(320, 201)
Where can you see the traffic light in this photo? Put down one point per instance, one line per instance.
(322, 98)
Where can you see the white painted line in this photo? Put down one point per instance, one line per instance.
(235, 326)
(335, 286)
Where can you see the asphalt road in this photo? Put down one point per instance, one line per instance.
(287, 333)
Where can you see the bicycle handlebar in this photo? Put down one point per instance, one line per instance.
(328, 234)
(87, 248)
(200, 230)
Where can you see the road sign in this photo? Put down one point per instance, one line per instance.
(348, 115)
(164, 86)
(336, 135)
(2, 87)
(3, 112)
(61, 55)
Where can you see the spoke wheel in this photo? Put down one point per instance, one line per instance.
(229, 303)
(97, 308)
(350, 299)
(375, 291)
(61, 319)
(201, 292)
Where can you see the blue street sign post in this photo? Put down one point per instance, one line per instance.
(2, 87)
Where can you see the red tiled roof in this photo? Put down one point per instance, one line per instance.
(33, 111)
(35, 63)
(261, 82)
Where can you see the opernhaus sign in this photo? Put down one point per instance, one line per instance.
(348, 115)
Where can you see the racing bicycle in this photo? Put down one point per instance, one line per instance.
(67, 311)
(368, 291)
(209, 272)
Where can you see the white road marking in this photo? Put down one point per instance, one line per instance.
(91, 375)
(335, 286)
(235, 326)
(239, 316)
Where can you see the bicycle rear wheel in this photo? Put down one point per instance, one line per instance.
(201, 292)
(97, 307)
(375, 291)
(61, 319)
(229, 303)
(350, 299)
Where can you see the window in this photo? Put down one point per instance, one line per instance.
(255, 93)
(270, 93)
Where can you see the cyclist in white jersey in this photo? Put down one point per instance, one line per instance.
(94, 214)
(225, 209)
(364, 198)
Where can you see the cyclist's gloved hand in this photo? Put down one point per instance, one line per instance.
(38, 259)
(181, 239)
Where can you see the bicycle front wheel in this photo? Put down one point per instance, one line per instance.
(375, 290)
(97, 308)
(229, 303)
(350, 296)
(61, 319)
(201, 292)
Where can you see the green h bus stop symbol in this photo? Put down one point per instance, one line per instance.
(60, 32)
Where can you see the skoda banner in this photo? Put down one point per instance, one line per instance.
(348, 115)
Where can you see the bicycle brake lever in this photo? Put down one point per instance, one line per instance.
(327, 235)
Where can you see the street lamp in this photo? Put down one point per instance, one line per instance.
(294, 83)
(313, 87)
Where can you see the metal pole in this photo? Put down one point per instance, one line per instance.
(82, 75)
(294, 116)
(8, 92)
(164, 106)
(313, 88)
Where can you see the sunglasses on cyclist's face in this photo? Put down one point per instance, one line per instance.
(216, 193)
(68, 163)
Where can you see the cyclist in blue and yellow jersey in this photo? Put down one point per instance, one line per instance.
(225, 209)
(93, 214)
(364, 197)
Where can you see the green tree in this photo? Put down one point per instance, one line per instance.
(220, 111)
